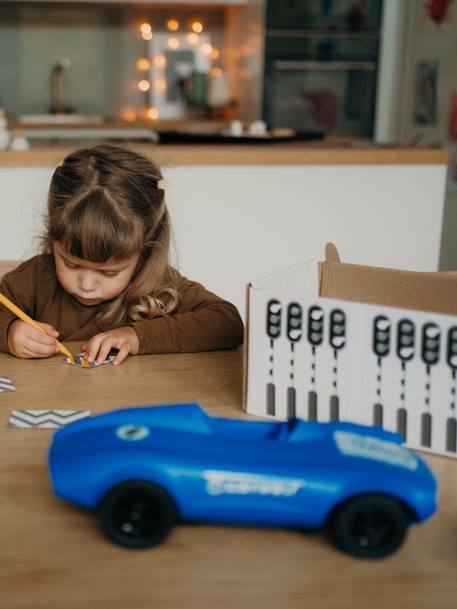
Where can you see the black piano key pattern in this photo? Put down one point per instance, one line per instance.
(410, 342)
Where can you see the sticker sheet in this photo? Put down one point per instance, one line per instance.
(80, 362)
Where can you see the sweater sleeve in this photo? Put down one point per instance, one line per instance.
(202, 322)
(19, 286)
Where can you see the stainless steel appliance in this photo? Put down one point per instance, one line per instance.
(321, 64)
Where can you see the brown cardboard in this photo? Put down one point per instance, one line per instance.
(433, 292)
(385, 357)
(245, 350)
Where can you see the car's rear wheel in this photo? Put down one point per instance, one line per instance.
(137, 514)
(369, 526)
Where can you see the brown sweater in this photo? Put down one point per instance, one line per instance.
(202, 321)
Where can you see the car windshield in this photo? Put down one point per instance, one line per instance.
(260, 430)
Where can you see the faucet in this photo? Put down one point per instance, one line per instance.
(58, 105)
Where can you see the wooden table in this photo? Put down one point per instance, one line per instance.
(52, 555)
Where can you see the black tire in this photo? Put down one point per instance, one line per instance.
(137, 514)
(369, 526)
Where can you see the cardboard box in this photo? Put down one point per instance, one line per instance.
(331, 341)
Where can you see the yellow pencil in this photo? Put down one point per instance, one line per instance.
(28, 320)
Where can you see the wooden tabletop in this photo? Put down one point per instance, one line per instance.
(52, 555)
(331, 151)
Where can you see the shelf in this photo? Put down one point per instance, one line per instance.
(286, 33)
(289, 65)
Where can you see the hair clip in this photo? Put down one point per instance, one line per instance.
(161, 184)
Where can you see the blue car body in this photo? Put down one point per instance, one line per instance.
(232, 471)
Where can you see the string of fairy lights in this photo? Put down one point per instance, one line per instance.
(144, 83)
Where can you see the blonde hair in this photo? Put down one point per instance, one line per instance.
(105, 202)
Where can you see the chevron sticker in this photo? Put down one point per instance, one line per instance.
(6, 384)
(45, 419)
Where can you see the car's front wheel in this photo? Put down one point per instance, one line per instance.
(137, 514)
(369, 526)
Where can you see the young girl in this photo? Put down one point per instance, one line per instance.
(104, 275)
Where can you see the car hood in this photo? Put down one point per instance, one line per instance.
(187, 417)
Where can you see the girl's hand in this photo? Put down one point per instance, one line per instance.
(125, 339)
(26, 342)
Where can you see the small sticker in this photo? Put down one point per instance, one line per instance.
(132, 433)
(81, 362)
(368, 447)
(231, 483)
(6, 384)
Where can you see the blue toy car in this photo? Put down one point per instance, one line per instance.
(142, 469)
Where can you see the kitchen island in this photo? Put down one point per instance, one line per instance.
(240, 212)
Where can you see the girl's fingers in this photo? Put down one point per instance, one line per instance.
(93, 347)
(38, 337)
(107, 343)
(123, 352)
(24, 353)
(39, 349)
(50, 330)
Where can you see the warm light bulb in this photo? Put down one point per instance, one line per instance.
(160, 61)
(143, 64)
(215, 53)
(128, 115)
(152, 113)
(147, 35)
(197, 27)
(144, 85)
(173, 43)
(193, 38)
(206, 48)
(216, 72)
(145, 28)
(173, 25)
(160, 84)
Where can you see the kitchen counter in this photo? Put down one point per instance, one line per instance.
(332, 151)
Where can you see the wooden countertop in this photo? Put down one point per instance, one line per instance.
(54, 557)
(330, 152)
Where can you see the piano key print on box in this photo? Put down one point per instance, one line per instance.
(430, 355)
(337, 339)
(406, 335)
(451, 357)
(381, 347)
(274, 315)
(294, 334)
(315, 338)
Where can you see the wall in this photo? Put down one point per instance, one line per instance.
(102, 42)
(234, 224)
(412, 37)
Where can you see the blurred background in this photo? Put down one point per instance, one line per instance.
(342, 66)
(351, 74)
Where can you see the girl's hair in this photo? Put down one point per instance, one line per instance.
(105, 203)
